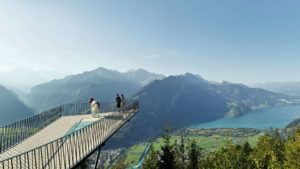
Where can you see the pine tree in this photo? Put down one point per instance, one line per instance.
(230, 157)
(278, 149)
(227, 157)
(262, 152)
(269, 151)
(180, 153)
(194, 155)
(167, 155)
(292, 152)
(152, 159)
(208, 161)
(182, 156)
(244, 156)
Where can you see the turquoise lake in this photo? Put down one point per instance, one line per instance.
(277, 117)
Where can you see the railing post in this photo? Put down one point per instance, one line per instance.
(20, 160)
(48, 158)
(72, 141)
(34, 152)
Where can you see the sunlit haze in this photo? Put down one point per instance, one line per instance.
(239, 41)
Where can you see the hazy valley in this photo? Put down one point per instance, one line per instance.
(182, 100)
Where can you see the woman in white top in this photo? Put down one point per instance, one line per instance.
(94, 107)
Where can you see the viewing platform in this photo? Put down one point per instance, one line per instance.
(61, 137)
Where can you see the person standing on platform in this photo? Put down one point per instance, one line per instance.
(118, 101)
(95, 107)
(123, 102)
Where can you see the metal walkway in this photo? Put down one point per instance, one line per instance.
(61, 137)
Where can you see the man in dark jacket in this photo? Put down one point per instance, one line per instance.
(118, 101)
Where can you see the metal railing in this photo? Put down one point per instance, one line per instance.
(16, 132)
(69, 150)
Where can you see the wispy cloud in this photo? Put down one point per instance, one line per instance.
(154, 56)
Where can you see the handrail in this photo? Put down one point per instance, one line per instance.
(72, 147)
(14, 133)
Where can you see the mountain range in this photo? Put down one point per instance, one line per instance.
(188, 99)
(22, 79)
(182, 100)
(101, 83)
(290, 88)
(11, 107)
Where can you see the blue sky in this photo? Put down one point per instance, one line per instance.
(240, 41)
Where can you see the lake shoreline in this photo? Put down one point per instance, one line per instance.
(274, 117)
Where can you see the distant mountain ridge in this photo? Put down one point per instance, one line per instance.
(182, 100)
(100, 83)
(21, 79)
(242, 99)
(11, 107)
(290, 88)
(143, 76)
(188, 99)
